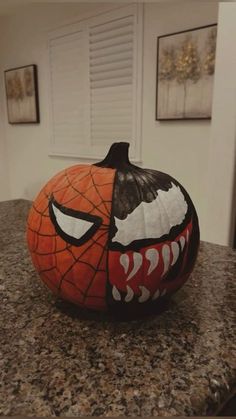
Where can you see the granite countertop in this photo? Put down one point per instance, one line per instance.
(58, 361)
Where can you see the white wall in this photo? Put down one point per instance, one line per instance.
(179, 148)
(221, 194)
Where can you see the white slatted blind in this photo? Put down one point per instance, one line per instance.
(111, 80)
(67, 89)
(95, 69)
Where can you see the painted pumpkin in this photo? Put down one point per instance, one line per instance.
(113, 236)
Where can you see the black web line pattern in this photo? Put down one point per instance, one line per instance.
(97, 190)
(46, 203)
(42, 234)
(84, 196)
(76, 260)
(68, 247)
(47, 196)
(77, 289)
(36, 237)
(69, 183)
(89, 173)
(93, 242)
(97, 270)
(39, 212)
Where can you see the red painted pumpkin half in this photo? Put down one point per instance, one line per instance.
(113, 236)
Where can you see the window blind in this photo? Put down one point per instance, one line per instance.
(111, 80)
(67, 89)
(95, 87)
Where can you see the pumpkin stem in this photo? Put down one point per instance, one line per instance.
(117, 157)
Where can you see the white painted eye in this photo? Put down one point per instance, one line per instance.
(152, 220)
(73, 226)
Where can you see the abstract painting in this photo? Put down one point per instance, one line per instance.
(22, 95)
(185, 73)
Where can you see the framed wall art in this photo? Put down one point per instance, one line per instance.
(185, 72)
(22, 95)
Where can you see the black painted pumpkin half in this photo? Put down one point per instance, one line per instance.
(120, 238)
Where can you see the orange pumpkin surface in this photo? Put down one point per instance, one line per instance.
(74, 272)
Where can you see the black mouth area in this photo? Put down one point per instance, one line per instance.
(134, 309)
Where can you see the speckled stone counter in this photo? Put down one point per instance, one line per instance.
(58, 361)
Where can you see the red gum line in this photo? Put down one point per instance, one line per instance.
(155, 280)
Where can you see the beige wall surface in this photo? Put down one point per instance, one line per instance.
(4, 172)
(4, 176)
(221, 176)
(180, 148)
(23, 41)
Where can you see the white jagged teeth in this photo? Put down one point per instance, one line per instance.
(129, 295)
(182, 242)
(138, 260)
(153, 256)
(166, 258)
(145, 294)
(124, 261)
(175, 252)
(156, 295)
(163, 292)
(187, 236)
(115, 293)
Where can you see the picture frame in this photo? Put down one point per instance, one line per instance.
(21, 84)
(185, 74)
